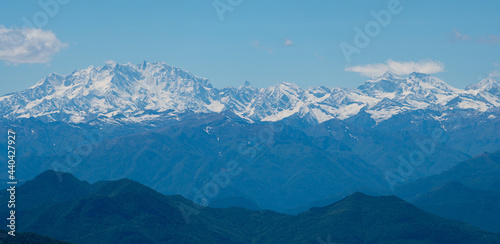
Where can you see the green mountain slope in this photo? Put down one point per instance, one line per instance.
(455, 201)
(125, 211)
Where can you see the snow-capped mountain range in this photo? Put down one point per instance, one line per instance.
(139, 93)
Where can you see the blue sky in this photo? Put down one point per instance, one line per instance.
(264, 42)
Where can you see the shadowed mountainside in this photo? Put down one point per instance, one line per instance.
(125, 211)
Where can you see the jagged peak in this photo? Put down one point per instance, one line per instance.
(389, 75)
(143, 65)
(484, 85)
(138, 72)
(422, 77)
(157, 86)
(285, 86)
(53, 79)
(427, 78)
(415, 81)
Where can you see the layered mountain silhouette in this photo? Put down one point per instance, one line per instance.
(481, 172)
(170, 130)
(285, 164)
(453, 200)
(125, 211)
(468, 192)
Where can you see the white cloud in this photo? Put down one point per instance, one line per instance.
(399, 68)
(487, 39)
(110, 62)
(256, 44)
(288, 43)
(495, 74)
(28, 45)
(319, 56)
(457, 36)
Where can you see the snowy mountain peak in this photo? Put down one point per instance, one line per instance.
(386, 83)
(389, 75)
(109, 90)
(285, 86)
(131, 93)
(386, 76)
(143, 65)
(489, 85)
(415, 83)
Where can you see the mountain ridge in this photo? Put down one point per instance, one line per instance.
(131, 93)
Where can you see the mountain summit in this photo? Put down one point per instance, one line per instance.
(489, 85)
(148, 91)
